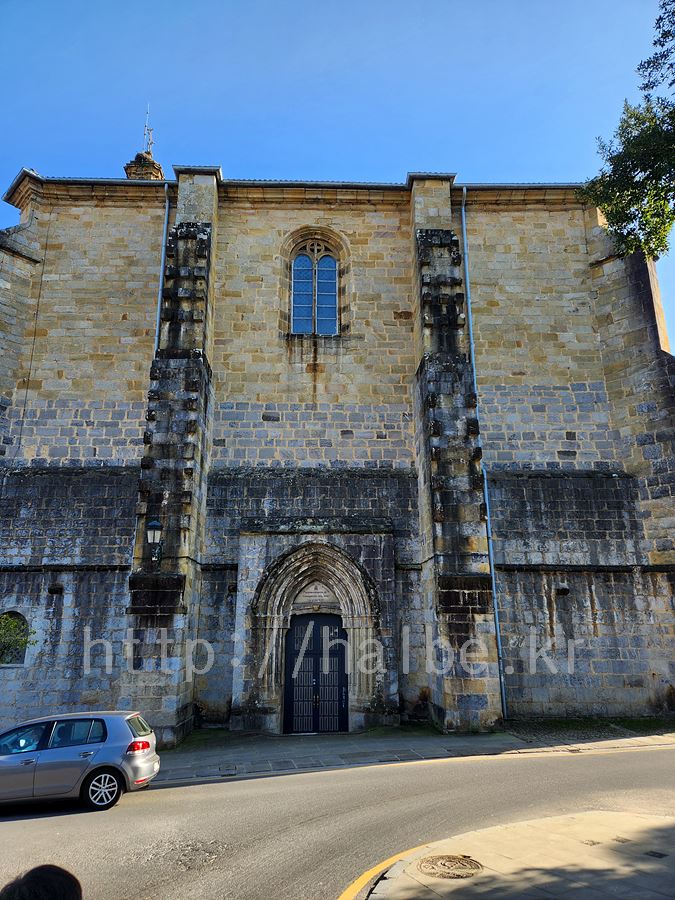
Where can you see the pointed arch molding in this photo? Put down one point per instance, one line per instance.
(272, 608)
(335, 241)
(294, 571)
(338, 246)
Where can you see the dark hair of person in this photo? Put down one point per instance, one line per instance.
(43, 883)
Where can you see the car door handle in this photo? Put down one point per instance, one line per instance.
(27, 762)
(86, 753)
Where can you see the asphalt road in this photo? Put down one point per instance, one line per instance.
(306, 836)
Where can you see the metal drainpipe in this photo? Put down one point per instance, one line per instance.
(488, 523)
(162, 265)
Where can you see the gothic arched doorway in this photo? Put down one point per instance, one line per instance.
(315, 678)
(319, 579)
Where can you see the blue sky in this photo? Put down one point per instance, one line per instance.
(365, 91)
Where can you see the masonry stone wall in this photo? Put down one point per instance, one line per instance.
(337, 435)
(249, 498)
(640, 378)
(299, 400)
(576, 404)
(566, 518)
(72, 517)
(538, 347)
(570, 555)
(455, 580)
(90, 343)
(85, 650)
(606, 637)
(18, 260)
(571, 347)
(61, 608)
(64, 560)
(256, 515)
(216, 624)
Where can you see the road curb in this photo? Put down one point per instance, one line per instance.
(360, 887)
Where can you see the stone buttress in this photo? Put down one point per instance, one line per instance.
(461, 660)
(164, 592)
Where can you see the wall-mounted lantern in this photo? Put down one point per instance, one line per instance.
(154, 532)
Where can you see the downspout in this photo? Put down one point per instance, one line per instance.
(162, 266)
(486, 492)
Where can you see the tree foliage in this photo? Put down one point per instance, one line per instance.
(659, 69)
(15, 637)
(636, 185)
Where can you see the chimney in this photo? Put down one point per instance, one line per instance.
(144, 168)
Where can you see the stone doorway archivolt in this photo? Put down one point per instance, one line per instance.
(320, 578)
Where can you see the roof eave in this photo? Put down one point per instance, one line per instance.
(12, 194)
(9, 194)
(520, 185)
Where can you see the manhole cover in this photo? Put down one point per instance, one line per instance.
(449, 866)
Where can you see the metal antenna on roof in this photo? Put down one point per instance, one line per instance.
(148, 139)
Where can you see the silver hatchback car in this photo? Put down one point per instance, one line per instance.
(93, 755)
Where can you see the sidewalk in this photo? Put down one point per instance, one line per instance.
(590, 855)
(219, 753)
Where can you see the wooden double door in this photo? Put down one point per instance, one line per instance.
(316, 689)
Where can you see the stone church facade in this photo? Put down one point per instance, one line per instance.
(437, 418)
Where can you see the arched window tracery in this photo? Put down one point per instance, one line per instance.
(314, 289)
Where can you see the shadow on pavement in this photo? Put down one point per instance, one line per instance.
(39, 809)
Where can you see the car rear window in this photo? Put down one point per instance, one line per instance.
(98, 733)
(139, 726)
(73, 732)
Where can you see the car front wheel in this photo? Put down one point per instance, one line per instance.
(101, 790)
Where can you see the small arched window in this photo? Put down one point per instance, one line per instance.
(14, 638)
(314, 290)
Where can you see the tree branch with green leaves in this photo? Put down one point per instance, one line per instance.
(635, 188)
(15, 638)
